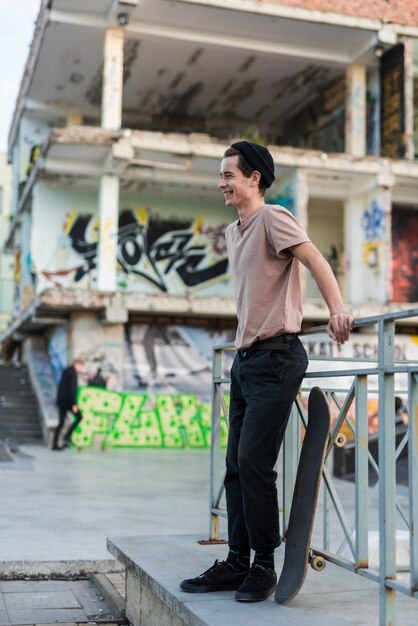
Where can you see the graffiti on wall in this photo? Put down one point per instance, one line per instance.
(285, 197)
(404, 255)
(57, 350)
(285, 192)
(172, 358)
(168, 254)
(141, 420)
(373, 223)
(100, 360)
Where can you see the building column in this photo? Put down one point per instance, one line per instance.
(367, 228)
(109, 182)
(108, 232)
(355, 119)
(409, 98)
(112, 79)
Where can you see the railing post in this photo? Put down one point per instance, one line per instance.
(215, 443)
(387, 471)
(413, 474)
(325, 496)
(362, 472)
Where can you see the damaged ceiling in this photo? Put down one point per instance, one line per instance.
(220, 68)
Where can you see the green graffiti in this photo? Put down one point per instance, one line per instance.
(140, 420)
(99, 407)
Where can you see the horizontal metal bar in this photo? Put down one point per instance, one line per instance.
(336, 373)
(224, 346)
(220, 381)
(372, 371)
(398, 586)
(350, 359)
(400, 369)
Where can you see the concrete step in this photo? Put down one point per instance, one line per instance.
(155, 565)
(19, 411)
(22, 422)
(25, 427)
(22, 399)
(21, 435)
(19, 406)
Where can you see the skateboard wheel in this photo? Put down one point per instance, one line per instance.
(340, 441)
(318, 563)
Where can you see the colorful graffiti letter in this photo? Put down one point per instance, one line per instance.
(99, 407)
(140, 420)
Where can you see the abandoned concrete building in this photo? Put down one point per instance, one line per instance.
(124, 112)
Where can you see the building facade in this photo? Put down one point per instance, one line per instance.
(6, 259)
(124, 112)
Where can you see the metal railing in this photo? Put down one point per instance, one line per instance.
(355, 536)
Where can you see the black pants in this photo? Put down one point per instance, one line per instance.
(264, 385)
(62, 415)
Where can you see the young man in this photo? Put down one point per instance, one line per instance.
(67, 401)
(265, 247)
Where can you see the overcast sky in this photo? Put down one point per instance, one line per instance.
(17, 22)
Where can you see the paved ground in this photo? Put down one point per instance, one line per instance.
(61, 506)
(49, 601)
(90, 601)
(64, 504)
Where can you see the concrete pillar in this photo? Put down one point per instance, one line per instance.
(109, 183)
(112, 79)
(355, 122)
(302, 197)
(367, 233)
(108, 232)
(409, 98)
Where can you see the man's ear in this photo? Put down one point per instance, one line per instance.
(255, 178)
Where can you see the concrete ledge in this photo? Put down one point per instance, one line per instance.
(15, 570)
(156, 565)
(110, 593)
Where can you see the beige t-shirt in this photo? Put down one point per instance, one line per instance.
(266, 276)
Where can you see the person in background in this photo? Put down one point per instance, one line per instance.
(67, 401)
(98, 380)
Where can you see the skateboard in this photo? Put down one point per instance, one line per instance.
(305, 496)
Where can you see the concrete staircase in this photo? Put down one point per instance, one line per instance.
(19, 411)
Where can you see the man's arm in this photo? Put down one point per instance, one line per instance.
(341, 322)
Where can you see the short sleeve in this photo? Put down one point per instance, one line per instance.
(283, 229)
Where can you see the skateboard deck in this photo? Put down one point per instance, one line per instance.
(304, 499)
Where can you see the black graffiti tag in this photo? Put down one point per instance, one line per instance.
(166, 245)
(85, 248)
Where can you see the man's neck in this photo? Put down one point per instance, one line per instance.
(245, 211)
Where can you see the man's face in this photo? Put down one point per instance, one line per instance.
(237, 189)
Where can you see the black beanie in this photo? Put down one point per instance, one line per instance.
(259, 158)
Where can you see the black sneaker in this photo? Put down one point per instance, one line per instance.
(259, 585)
(219, 577)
